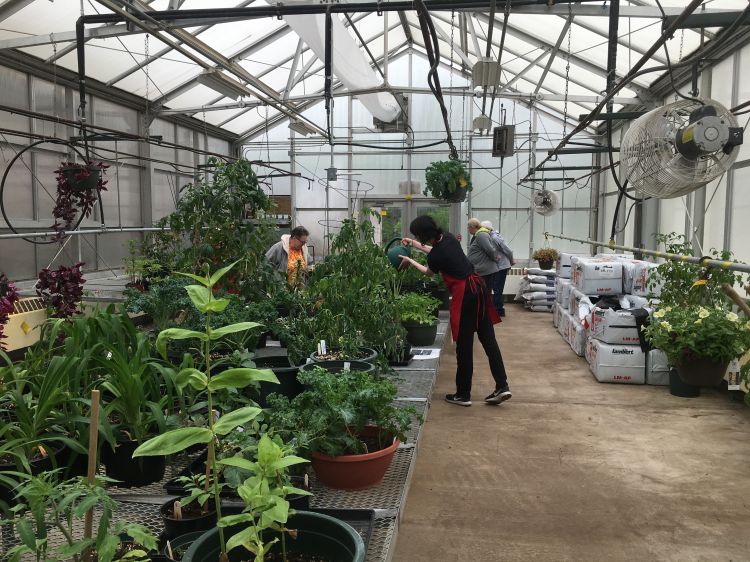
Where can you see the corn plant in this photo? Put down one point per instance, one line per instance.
(205, 381)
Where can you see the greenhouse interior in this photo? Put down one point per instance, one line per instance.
(246, 247)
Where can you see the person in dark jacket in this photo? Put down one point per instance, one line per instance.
(471, 309)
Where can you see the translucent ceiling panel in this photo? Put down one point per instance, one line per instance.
(199, 95)
(106, 58)
(165, 74)
(280, 49)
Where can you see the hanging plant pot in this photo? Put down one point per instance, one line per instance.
(701, 371)
(120, 465)
(458, 196)
(81, 178)
(546, 264)
(318, 537)
(193, 519)
(421, 335)
(355, 472)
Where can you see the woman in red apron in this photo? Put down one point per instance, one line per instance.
(471, 307)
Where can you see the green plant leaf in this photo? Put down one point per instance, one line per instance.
(288, 461)
(202, 280)
(26, 533)
(233, 329)
(221, 273)
(201, 296)
(176, 334)
(229, 520)
(240, 378)
(105, 550)
(229, 421)
(217, 305)
(193, 377)
(237, 462)
(244, 538)
(173, 441)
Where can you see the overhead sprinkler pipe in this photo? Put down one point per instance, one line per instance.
(705, 262)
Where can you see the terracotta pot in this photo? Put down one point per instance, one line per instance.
(355, 472)
(701, 371)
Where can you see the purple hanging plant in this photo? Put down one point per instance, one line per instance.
(77, 192)
(8, 299)
(61, 289)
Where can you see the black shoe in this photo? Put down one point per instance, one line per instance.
(458, 400)
(500, 395)
(501, 312)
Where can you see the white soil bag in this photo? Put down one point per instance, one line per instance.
(556, 312)
(594, 276)
(560, 285)
(616, 363)
(544, 272)
(657, 368)
(565, 320)
(562, 265)
(614, 326)
(577, 337)
(641, 275)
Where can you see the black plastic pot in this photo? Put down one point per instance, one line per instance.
(120, 465)
(369, 355)
(443, 295)
(181, 544)
(546, 264)
(338, 366)
(421, 335)
(282, 367)
(177, 527)
(679, 388)
(76, 183)
(701, 371)
(317, 535)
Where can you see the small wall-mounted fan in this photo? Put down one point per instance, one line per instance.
(546, 202)
(677, 148)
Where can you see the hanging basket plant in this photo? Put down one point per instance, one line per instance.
(447, 180)
(78, 189)
(8, 299)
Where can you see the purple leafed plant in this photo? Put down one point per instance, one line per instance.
(73, 196)
(8, 298)
(61, 289)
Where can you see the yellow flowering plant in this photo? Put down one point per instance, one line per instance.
(698, 331)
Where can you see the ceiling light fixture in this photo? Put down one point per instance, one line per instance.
(301, 127)
(226, 86)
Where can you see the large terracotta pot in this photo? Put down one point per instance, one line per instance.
(701, 371)
(355, 472)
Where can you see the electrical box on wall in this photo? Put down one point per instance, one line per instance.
(503, 139)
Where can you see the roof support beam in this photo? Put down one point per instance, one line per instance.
(462, 55)
(474, 38)
(10, 7)
(521, 74)
(65, 36)
(405, 26)
(553, 54)
(293, 68)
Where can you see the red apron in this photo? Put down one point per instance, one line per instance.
(458, 287)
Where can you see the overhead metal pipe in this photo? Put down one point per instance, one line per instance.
(83, 232)
(705, 262)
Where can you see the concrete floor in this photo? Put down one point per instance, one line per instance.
(572, 469)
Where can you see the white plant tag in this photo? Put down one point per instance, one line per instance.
(733, 375)
(323, 350)
(347, 365)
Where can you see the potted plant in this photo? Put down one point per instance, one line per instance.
(447, 180)
(8, 299)
(61, 289)
(699, 341)
(546, 257)
(417, 317)
(78, 188)
(349, 424)
(192, 513)
(208, 382)
(267, 519)
(60, 508)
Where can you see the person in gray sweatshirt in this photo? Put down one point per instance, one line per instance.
(482, 253)
(504, 262)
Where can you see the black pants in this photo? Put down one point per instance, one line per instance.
(465, 344)
(498, 288)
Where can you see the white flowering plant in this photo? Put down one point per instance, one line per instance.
(698, 331)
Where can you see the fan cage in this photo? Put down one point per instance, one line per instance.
(650, 159)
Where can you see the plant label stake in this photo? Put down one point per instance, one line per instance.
(322, 348)
(92, 466)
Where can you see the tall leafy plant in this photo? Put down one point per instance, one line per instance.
(178, 440)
